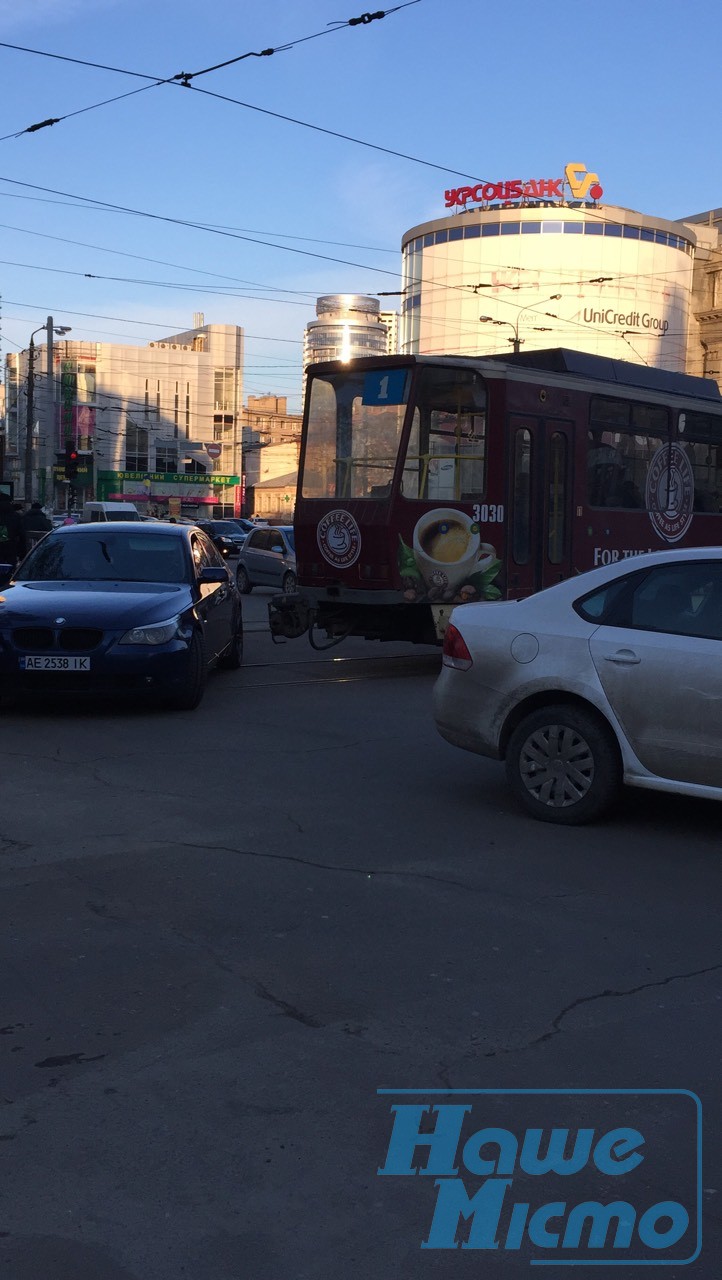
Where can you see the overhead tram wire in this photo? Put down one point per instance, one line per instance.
(185, 78)
(180, 266)
(561, 283)
(181, 79)
(400, 155)
(364, 20)
(216, 291)
(150, 324)
(91, 202)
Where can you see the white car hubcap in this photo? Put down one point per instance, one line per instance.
(556, 766)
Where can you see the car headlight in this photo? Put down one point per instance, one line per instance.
(155, 633)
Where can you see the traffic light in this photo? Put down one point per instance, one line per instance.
(71, 460)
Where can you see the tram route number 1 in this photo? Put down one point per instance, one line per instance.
(488, 512)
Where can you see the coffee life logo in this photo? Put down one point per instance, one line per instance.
(670, 492)
(526, 1189)
(339, 538)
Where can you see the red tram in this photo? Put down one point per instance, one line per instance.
(426, 482)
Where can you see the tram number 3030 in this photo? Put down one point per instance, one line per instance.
(488, 512)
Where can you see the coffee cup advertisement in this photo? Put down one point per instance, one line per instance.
(447, 561)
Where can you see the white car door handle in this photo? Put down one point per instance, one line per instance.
(623, 658)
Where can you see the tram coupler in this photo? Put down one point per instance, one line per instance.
(289, 616)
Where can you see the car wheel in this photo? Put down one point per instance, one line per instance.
(288, 586)
(188, 698)
(233, 657)
(563, 764)
(243, 581)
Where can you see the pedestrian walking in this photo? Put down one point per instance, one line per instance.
(12, 534)
(35, 521)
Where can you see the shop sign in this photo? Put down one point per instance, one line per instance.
(582, 184)
(170, 477)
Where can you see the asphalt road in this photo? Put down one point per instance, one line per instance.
(224, 931)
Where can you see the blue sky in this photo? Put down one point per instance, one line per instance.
(626, 87)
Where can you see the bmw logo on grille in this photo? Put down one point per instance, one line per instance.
(59, 621)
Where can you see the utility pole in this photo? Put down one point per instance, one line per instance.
(29, 421)
(49, 445)
(49, 417)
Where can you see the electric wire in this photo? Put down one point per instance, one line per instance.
(90, 203)
(181, 79)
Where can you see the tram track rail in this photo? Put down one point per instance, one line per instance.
(340, 670)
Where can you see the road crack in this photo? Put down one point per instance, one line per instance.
(608, 994)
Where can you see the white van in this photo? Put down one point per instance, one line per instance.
(93, 511)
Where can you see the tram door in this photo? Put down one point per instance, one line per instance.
(540, 486)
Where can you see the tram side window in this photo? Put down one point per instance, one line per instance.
(622, 440)
(702, 442)
(446, 453)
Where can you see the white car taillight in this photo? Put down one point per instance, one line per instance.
(456, 653)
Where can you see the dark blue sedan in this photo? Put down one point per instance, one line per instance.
(114, 608)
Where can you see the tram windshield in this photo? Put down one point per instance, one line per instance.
(354, 427)
(355, 424)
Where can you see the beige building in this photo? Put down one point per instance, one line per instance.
(275, 499)
(159, 425)
(704, 348)
(271, 447)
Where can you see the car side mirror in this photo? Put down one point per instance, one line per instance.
(213, 573)
(6, 573)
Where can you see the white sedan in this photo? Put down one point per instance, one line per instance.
(612, 677)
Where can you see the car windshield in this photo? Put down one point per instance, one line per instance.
(106, 555)
(225, 526)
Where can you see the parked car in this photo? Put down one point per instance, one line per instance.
(267, 559)
(614, 676)
(116, 607)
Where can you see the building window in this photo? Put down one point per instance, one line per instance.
(136, 447)
(146, 409)
(188, 408)
(166, 458)
(86, 384)
(157, 401)
(223, 386)
(175, 408)
(716, 288)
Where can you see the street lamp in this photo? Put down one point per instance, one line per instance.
(516, 341)
(50, 330)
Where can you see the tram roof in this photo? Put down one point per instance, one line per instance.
(555, 360)
(583, 364)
